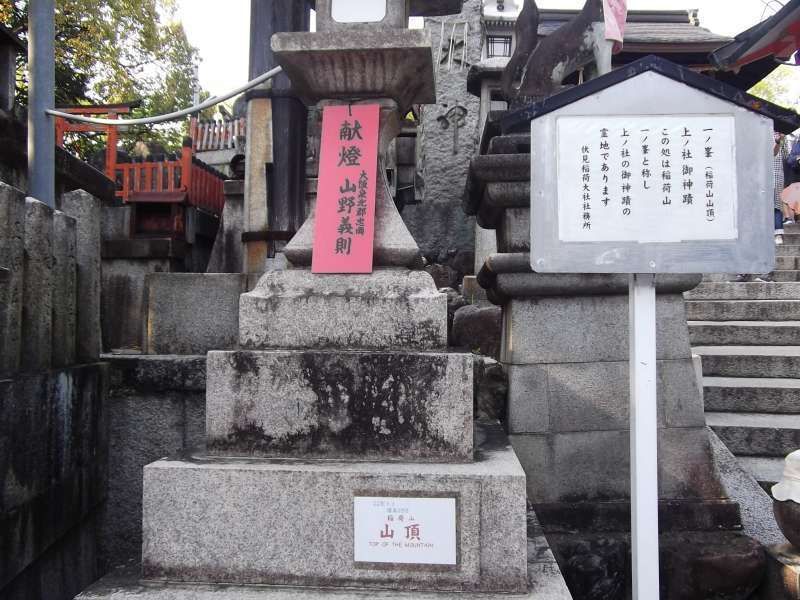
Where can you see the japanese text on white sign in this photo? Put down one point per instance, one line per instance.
(419, 531)
(646, 178)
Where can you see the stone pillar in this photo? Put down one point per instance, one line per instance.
(64, 289)
(37, 306)
(86, 210)
(12, 256)
(565, 346)
(447, 136)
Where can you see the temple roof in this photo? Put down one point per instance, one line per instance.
(785, 120)
(777, 36)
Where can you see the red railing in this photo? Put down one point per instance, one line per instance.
(202, 184)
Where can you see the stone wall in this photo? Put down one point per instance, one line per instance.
(156, 408)
(438, 224)
(53, 432)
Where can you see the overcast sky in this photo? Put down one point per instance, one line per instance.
(221, 30)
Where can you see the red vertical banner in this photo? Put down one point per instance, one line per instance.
(344, 228)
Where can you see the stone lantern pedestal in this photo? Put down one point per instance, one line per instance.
(342, 389)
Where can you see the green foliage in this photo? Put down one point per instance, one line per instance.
(111, 51)
(781, 87)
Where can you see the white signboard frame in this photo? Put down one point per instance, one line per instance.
(400, 531)
(649, 98)
(578, 157)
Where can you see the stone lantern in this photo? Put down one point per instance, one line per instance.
(341, 445)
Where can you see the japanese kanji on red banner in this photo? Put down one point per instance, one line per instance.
(344, 231)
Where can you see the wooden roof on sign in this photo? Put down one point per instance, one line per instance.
(785, 120)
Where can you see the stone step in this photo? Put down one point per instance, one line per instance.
(791, 239)
(756, 434)
(781, 362)
(743, 310)
(785, 275)
(752, 395)
(787, 249)
(751, 290)
(765, 470)
(545, 582)
(787, 262)
(291, 522)
(744, 333)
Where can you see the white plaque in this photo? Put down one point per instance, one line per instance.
(646, 179)
(358, 11)
(417, 531)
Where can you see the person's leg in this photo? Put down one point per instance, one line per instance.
(778, 220)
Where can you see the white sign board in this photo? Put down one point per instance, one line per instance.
(416, 531)
(646, 178)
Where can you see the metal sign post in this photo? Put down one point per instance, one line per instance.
(644, 436)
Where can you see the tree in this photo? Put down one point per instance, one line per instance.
(781, 87)
(110, 51)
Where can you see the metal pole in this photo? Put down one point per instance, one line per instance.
(644, 437)
(41, 97)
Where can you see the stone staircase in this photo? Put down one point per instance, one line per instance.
(748, 335)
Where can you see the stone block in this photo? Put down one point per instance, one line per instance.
(595, 465)
(65, 298)
(568, 397)
(115, 222)
(478, 329)
(514, 230)
(340, 404)
(388, 309)
(205, 520)
(394, 64)
(545, 582)
(586, 329)
(192, 313)
(123, 300)
(783, 573)
(86, 210)
(12, 257)
(37, 307)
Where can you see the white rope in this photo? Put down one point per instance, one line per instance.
(174, 116)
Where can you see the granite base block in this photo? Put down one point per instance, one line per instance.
(192, 313)
(586, 329)
(286, 522)
(545, 582)
(595, 396)
(388, 309)
(337, 404)
(595, 465)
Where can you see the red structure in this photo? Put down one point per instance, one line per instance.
(173, 184)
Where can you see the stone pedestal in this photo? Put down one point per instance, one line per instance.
(565, 345)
